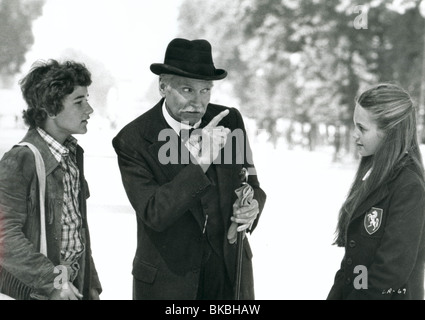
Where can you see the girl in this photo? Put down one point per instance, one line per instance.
(381, 223)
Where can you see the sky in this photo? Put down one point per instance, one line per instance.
(125, 35)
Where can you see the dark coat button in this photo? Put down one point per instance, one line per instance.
(348, 281)
(349, 261)
(352, 243)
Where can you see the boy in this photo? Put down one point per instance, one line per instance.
(57, 98)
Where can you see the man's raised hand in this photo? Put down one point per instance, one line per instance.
(213, 140)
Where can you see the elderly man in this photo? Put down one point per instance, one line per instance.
(182, 186)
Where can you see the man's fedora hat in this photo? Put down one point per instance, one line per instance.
(191, 59)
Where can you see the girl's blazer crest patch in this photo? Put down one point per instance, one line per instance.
(373, 220)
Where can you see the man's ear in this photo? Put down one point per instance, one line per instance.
(162, 87)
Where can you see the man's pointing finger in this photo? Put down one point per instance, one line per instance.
(215, 121)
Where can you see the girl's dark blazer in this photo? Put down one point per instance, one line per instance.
(389, 261)
(168, 200)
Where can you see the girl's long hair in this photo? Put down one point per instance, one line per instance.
(395, 115)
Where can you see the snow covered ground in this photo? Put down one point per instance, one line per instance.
(293, 255)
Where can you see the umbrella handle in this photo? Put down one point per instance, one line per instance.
(243, 176)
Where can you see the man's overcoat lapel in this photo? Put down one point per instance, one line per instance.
(153, 133)
(224, 173)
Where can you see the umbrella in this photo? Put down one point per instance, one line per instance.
(245, 194)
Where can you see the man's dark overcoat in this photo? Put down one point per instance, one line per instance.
(169, 200)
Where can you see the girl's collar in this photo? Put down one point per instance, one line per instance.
(367, 174)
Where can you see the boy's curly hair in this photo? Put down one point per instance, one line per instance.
(47, 84)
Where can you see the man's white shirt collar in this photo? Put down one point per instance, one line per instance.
(174, 124)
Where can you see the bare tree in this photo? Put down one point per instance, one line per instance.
(16, 37)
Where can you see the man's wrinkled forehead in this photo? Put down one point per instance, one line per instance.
(184, 81)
